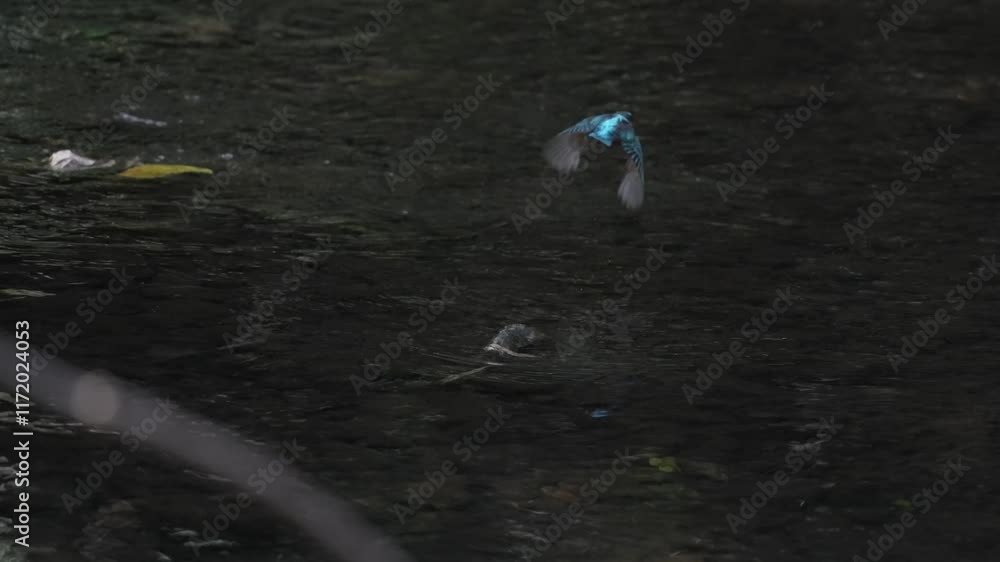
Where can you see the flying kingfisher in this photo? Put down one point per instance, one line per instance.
(563, 151)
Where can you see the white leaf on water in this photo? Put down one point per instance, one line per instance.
(67, 161)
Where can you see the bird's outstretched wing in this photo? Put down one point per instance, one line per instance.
(631, 189)
(563, 151)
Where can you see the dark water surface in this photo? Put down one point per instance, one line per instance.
(316, 193)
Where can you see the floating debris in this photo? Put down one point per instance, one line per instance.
(9, 551)
(183, 534)
(206, 476)
(463, 374)
(152, 171)
(22, 293)
(217, 543)
(68, 161)
(135, 120)
(665, 464)
(690, 467)
(513, 338)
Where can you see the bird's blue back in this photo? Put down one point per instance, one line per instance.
(602, 127)
(607, 128)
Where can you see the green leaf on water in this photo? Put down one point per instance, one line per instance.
(96, 34)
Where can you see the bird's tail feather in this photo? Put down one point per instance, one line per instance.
(631, 189)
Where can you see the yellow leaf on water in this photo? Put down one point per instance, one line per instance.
(150, 171)
(665, 464)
